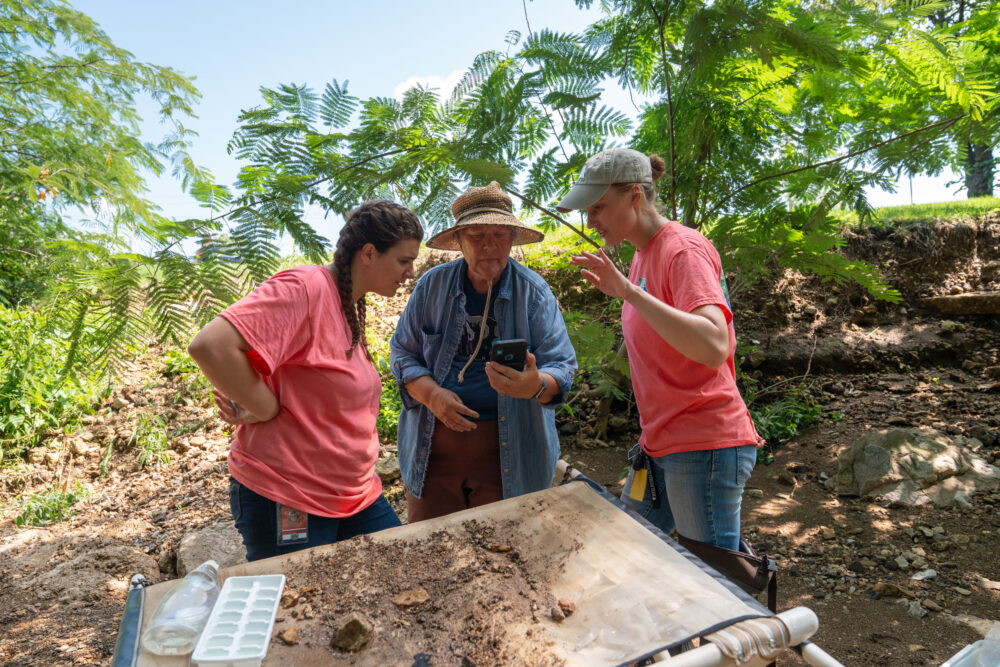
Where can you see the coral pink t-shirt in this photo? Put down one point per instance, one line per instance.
(683, 405)
(318, 455)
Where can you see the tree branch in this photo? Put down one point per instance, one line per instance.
(660, 20)
(816, 165)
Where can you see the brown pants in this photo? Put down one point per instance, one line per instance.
(463, 472)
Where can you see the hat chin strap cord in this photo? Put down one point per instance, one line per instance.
(482, 332)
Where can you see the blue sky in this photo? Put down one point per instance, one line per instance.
(381, 47)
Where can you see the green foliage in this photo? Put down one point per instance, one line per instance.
(34, 395)
(390, 405)
(769, 115)
(150, 440)
(70, 145)
(596, 346)
(52, 506)
(178, 363)
(782, 420)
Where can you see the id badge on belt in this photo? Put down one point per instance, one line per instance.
(642, 478)
(293, 525)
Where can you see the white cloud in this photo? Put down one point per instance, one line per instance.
(443, 85)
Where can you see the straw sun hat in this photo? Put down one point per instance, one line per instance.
(487, 205)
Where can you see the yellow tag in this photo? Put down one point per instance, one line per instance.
(638, 489)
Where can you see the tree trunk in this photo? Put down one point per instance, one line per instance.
(980, 168)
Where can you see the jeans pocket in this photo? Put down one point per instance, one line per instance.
(746, 459)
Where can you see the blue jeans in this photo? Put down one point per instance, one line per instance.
(698, 493)
(256, 517)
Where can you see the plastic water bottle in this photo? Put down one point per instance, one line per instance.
(182, 613)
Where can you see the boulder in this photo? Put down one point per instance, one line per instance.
(220, 542)
(388, 469)
(914, 467)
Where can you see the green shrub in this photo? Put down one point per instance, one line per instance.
(783, 419)
(150, 441)
(34, 395)
(52, 506)
(178, 363)
(390, 404)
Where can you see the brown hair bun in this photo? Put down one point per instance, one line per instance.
(658, 166)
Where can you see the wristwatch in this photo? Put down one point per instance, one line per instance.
(541, 391)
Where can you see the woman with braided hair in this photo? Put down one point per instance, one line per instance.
(290, 368)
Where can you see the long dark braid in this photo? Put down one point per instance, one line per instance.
(383, 224)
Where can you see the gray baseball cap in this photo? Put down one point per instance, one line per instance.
(615, 165)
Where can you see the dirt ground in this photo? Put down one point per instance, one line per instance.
(870, 365)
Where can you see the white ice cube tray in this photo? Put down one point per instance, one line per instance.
(239, 629)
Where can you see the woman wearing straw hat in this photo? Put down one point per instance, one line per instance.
(698, 442)
(473, 432)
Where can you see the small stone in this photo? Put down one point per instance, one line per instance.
(827, 533)
(916, 647)
(961, 591)
(914, 609)
(819, 594)
(901, 562)
(887, 590)
(567, 606)
(289, 635)
(569, 428)
(411, 598)
(354, 633)
(37, 455)
(924, 575)
(755, 493)
(288, 599)
(119, 403)
(79, 447)
(787, 478)
(930, 604)
(198, 441)
(557, 615)
(52, 458)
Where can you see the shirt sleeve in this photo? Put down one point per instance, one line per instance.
(695, 280)
(274, 319)
(551, 346)
(406, 346)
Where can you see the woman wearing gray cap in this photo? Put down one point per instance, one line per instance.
(698, 442)
(472, 432)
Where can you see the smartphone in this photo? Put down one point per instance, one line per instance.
(512, 353)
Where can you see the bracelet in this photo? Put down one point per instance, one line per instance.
(541, 391)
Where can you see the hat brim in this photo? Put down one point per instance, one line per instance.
(522, 235)
(582, 195)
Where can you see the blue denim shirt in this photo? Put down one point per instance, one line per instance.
(425, 343)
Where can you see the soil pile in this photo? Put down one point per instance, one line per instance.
(466, 596)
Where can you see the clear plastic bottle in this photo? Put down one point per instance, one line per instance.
(182, 613)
